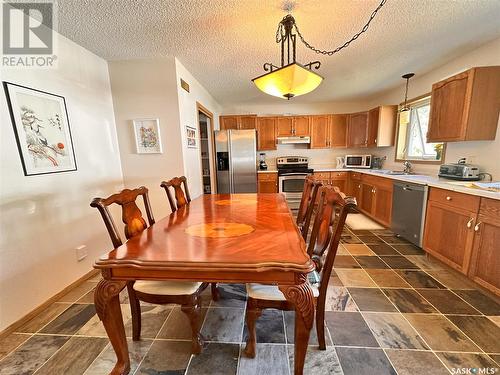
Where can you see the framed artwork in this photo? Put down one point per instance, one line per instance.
(41, 126)
(147, 136)
(191, 137)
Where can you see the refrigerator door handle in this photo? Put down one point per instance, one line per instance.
(231, 172)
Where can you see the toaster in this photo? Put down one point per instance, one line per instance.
(459, 171)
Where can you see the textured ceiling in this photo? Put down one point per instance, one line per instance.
(225, 42)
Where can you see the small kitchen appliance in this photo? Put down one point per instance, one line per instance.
(262, 161)
(459, 171)
(292, 171)
(340, 162)
(358, 161)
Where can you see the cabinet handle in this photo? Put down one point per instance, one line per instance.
(476, 228)
(448, 198)
(469, 223)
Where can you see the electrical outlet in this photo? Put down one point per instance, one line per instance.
(81, 252)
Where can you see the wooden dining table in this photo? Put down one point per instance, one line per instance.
(227, 238)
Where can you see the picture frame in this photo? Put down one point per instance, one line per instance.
(147, 136)
(191, 137)
(42, 130)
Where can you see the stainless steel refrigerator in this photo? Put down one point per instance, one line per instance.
(236, 161)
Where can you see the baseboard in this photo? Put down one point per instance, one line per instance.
(37, 310)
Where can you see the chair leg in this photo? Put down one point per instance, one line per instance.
(252, 313)
(193, 312)
(320, 323)
(135, 309)
(215, 291)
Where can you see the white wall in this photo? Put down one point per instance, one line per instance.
(189, 117)
(147, 89)
(484, 153)
(44, 218)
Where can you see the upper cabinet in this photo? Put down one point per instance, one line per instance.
(266, 133)
(338, 130)
(302, 125)
(357, 130)
(320, 131)
(284, 126)
(381, 126)
(293, 126)
(465, 107)
(238, 122)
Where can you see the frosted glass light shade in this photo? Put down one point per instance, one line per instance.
(404, 117)
(288, 81)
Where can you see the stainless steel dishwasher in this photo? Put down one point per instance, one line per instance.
(409, 202)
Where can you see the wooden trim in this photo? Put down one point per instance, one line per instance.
(37, 310)
(201, 108)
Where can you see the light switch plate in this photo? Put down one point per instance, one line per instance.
(81, 252)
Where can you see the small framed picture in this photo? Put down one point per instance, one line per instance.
(147, 136)
(42, 131)
(191, 137)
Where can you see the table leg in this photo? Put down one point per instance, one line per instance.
(107, 304)
(301, 295)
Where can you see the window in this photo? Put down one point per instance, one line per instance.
(412, 136)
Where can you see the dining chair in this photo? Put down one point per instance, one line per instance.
(328, 224)
(307, 203)
(182, 198)
(184, 293)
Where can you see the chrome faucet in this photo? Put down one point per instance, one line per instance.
(407, 167)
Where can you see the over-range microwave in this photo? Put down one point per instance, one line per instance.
(358, 161)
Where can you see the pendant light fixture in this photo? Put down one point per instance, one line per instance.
(404, 113)
(294, 79)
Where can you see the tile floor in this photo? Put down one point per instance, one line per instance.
(391, 310)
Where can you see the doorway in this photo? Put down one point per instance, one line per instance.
(205, 130)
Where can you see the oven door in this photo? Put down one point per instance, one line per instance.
(292, 185)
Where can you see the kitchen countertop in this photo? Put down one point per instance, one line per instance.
(421, 179)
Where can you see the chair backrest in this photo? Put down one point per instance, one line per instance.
(181, 197)
(333, 208)
(131, 214)
(307, 202)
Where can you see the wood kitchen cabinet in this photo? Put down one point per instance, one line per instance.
(284, 126)
(293, 126)
(338, 130)
(320, 131)
(449, 227)
(266, 133)
(465, 106)
(302, 125)
(381, 126)
(354, 186)
(375, 198)
(338, 179)
(357, 130)
(485, 259)
(237, 122)
(267, 182)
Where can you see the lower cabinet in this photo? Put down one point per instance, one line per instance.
(267, 182)
(375, 197)
(449, 233)
(449, 227)
(485, 261)
(338, 179)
